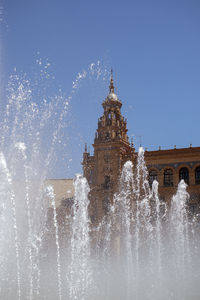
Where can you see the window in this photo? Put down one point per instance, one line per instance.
(197, 175)
(106, 204)
(107, 182)
(107, 135)
(107, 158)
(152, 176)
(184, 174)
(91, 177)
(193, 208)
(108, 122)
(168, 177)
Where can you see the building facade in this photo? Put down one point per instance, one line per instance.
(112, 149)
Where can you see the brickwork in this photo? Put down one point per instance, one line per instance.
(112, 149)
(175, 160)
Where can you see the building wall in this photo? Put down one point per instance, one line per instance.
(112, 149)
(175, 159)
(63, 189)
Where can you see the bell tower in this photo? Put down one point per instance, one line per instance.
(111, 126)
(111, 150)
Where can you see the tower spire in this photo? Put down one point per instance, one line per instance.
(111, 81)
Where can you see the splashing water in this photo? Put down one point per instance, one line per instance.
(142, 249)
(80, 275)
(28, 128)
(50, 192)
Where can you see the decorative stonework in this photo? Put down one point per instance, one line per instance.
(112, 149)
(174, 165)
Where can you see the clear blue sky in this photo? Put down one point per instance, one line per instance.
(153, 47)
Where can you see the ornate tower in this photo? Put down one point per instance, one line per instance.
(111, 150)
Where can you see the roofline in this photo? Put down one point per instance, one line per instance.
(168, 151)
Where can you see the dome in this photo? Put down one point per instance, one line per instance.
(112, 96)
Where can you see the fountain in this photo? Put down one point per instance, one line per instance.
(142, 249)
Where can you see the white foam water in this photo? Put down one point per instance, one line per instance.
(142, 249)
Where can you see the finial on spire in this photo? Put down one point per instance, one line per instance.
(85, 147)
(111, 81)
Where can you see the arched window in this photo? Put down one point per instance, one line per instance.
(184, 174)
(106, 204)
(107, 182)
(107, 135)
(168, 177)
(153, 175)
(197, 175)
(91, 176)
(108, 121)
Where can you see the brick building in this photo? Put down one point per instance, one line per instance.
(112, 149)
